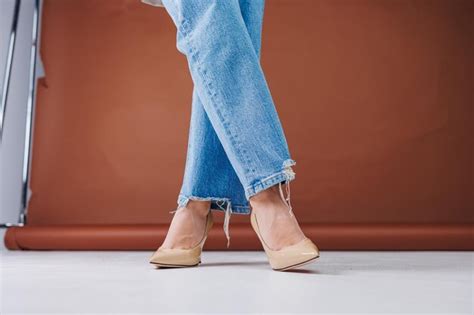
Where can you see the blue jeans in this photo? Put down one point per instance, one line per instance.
(236, 146)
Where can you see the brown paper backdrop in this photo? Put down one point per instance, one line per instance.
(375, 97)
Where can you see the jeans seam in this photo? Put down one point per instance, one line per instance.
(212, 94)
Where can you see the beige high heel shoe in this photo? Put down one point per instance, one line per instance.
(296, 255)
(181, 257)
(288, 257)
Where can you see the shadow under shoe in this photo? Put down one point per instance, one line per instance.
(288, 257)
(182, 257)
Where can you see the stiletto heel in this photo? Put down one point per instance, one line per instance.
(296, 255)
(180, 257)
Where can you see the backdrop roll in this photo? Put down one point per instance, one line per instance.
(375, 97)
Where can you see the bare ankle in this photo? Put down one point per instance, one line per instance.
(198, 206)
(269, 197)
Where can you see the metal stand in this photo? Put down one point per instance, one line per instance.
(30, 105)
(8, 68)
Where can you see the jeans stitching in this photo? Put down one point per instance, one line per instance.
(234, 139)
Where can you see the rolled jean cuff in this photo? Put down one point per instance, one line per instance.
(286, 174)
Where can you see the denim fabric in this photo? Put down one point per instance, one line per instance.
(236, 146)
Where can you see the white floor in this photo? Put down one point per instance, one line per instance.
(240, 282)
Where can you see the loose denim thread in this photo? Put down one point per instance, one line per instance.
(226, 220)
(290, 174)
(287, 199)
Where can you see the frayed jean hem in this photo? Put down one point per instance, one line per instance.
(286, 174)
(217, 203)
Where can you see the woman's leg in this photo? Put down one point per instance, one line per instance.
(229, 84)
(209, 175)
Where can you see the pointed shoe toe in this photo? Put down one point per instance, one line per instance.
(176, 257)
(181, 257)
(296, 255)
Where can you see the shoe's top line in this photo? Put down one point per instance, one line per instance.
(227, 212)
(208, 218)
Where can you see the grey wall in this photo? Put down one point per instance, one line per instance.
(13, 143)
